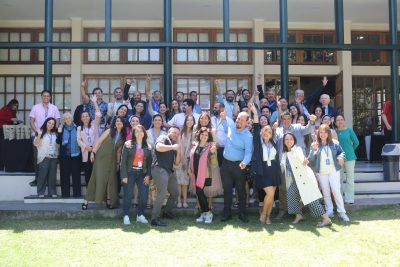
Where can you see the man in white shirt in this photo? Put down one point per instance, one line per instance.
(179, 119)
(221, 124)
(38, 115)
(119, 100)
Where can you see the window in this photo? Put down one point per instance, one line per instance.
(33, 56)
(108, 84)
(200, 85)
(204, 86)
(371, 94)
(192, 55)
(233, 55)
(209, 56)
(272, 56)
(372, 57)
(59, 55)
(27, 89)
(143, 55)
(318, 56)
(102, 55)
(118, 56)
(15, 55)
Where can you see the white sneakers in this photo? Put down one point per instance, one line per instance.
(141, 219)
(344, 216)
(205, 217)
(126, 220)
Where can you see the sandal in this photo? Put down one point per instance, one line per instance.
(323, 224)
(108, 205)
(298, 219)
(85, 206)
(263, 219)
(135, 205)
(149, 206)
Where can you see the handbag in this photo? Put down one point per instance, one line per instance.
(208, 182)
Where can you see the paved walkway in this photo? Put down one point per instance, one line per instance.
(20, 210)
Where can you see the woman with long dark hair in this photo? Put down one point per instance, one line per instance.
(46, 143)
(88, 133)
(265, 164)
(106, 156)
(183, 169)
(203, 157)
(136, 168)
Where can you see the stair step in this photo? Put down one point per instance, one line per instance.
(377, 186)
(35, 199)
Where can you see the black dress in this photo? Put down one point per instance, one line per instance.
(265, 175)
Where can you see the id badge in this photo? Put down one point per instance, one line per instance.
(139, 164)
(327, 162)
(268, 163)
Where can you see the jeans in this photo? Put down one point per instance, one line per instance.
(135, 176)
(347, 181)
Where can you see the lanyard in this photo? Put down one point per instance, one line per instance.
(50, 137)
(326, 149)
(139, 150)
(116, 140)
(46, 112)
(154, 135)
(217, 124)
(87, 132)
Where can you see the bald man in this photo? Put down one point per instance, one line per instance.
(237, 155)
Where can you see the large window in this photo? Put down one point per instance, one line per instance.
(320, 57)
(208, 56)
(33, 56)
(27, 89)
(59, 55)
(371, 57)
(204, 86)
(118, 56)
(109, 83)
(369, 95)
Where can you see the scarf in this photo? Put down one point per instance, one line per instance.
(202, 170)
(70, 140)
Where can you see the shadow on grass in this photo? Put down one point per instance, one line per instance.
(184, 222)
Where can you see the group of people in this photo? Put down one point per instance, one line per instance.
(157, 152)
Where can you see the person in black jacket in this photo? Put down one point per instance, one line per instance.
(135, 167)
(265, 164)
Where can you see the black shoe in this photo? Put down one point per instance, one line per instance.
(33, 183)
(157, 222)
(168, 215)
(243, 218)
(226, 218)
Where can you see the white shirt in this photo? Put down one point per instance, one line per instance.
(220, 130)
(268, 148)
(324, 168)
(179, 119)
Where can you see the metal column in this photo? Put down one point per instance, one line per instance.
(394, 71)
(283, 18)
(339, 21)
(167, 52)
(48, 37)
(226, 21)
(107, 21)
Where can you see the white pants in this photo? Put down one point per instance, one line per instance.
(347, 181)
(328, 183)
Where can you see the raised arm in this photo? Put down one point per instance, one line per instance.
(84, 91)
(126, 88)
(259, 86)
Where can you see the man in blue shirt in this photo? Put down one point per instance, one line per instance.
(237, 155)
(196, 107)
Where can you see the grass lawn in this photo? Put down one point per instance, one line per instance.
(371, 239)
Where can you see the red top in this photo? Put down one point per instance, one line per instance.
(139, 158)
(5, 116)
